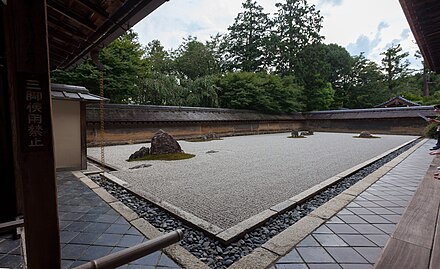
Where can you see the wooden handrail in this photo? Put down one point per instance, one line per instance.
(133, 253)
(11, 225)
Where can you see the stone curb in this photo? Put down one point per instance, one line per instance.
(89, 183)
(282, 243)
(93, 172)
(260, 258)
(106, 165)
(184, 258)
(241, 228)
(124, 210)
(310, 192)
(191, 218)
(116, 180)
(330, 208)
(107, 197)
(180, 255)
(234, 232)
(176, 211)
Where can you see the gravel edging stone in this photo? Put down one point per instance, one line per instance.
(270, 236)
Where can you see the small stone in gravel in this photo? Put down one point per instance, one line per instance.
(140, 166)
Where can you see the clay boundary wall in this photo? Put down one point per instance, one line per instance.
(135, 124)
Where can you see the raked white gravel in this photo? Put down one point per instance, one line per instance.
(248, 174)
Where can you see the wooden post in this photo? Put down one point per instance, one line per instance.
(25, 32)
(8, 199)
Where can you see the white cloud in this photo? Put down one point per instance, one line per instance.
(347, 23)
(330, 2)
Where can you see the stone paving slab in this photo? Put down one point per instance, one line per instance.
(272, 166)
(350, 239)
(89, 229)
(355, 236)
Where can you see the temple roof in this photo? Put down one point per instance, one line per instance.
(398, 101)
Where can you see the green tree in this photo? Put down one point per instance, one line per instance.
(394, 66)
(158, 59)
(318, 94)
(202, 92)
(124, 68)
(245, 43)
(259, 91)
(194, 60)
(331, 62)
(85, 74)
(217, 46)
(160, 89)
(365, 86)
(296, 25)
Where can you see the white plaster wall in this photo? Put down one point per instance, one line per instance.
(67, 134)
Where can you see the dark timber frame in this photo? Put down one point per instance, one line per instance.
(27, 60)
(35, 37)
(422, 16)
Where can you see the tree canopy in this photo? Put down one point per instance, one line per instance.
(276, 63)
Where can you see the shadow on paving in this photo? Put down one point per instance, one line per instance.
(89, 229)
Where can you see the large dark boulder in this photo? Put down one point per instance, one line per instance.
(142, 152)
(163, 143)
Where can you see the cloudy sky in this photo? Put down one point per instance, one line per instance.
(369, 26)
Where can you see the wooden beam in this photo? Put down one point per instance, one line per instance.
(58, 52)
(400, 254)
(59, 28)
(435, 253)
(71, 15)
(27, 56)
(417, 225)
(95, 8)
(61, 36)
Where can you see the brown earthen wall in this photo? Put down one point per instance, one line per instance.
(142, 132)
(397, 126)
(134, 124)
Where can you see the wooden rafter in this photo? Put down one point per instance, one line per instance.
(71, 15)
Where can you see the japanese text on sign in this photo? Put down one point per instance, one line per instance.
(34, 109)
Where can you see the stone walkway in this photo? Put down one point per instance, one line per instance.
(354, 238)
(89, 229)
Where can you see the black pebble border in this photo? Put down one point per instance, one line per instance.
(210, 250)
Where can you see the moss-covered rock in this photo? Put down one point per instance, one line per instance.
(165, 157)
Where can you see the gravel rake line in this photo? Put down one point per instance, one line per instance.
(210, 250)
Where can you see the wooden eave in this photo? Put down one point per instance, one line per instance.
(75, 27)
(424, 20)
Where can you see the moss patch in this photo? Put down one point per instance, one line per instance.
(165, 157)
(201, 140)
(367, 137)
(301, 136)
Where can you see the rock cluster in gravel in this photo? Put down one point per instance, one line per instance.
(210, 250)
